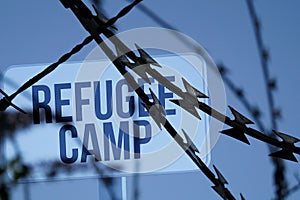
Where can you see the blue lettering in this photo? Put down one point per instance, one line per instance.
(129, 99)
(61, 102)
(90, 130)
(79, 101)
(137, 136)
(37, 105)
(116, 148)
(142, 111)
(163, 95)
(62, 144)
(108, 113)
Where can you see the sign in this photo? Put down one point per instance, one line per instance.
(97, 118)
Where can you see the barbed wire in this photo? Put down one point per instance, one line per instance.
(255, 112)
(274, 142)
(238, 124)
(239, 118)
(157, 113)
(219, 182)
(270, 85)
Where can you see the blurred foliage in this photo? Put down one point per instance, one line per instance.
(12, 170)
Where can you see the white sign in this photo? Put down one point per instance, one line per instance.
(84, 116)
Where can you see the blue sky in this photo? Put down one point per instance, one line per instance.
(39, 32)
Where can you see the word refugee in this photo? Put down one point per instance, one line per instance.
(115, 138)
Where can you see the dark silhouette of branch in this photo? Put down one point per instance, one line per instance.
(107, 181)
(11, 122)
